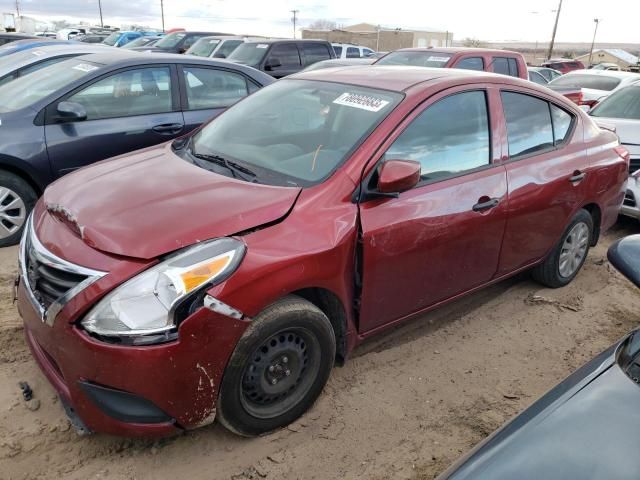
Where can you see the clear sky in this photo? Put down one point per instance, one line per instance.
(511, 20)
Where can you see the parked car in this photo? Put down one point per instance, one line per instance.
(28, 61)
(219, 46)
(548, 73)
(346, 50)
(14, 37)
(91, 37)
(605, 66)
(176, 42)
(497, 61)
(82, 110)
(222, 274)
(147, 41)
(339, 62)
(20, 45)
(593, 85)
(46, 34)
(119, 39)
(622, 111)
(584, 428)
(536, 77)
(564, 65)
(280, 58)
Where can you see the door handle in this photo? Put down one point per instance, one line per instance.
(486, 205)
(577, 176)
(168, 128)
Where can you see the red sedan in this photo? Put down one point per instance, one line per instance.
(223, 274)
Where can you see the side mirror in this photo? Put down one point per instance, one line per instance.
(71, 111)
(398, 176)
(182, 50)
(272, 63)
(624, 255)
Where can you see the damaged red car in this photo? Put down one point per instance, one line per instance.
(223, 274)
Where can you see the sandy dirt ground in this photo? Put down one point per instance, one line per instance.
(405, 406)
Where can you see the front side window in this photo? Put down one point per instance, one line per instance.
(134, 92)
(415, 59)
(471, 63)
(294, 132)
(226, 48)
(353, 52)
(210, 88)
(315, 52)
(536, 77)
(449, 138)
(204, 47)
(171, 40)
(529, 127)
(249, 53)
(287, 54)
(190, 40)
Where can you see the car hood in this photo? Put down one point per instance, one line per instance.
(586, 428)
(152, 202)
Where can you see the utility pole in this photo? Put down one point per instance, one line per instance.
(18, 8)
(555, 28)
(100, 8)
(597, 21)
(295, 12)
(162, 12)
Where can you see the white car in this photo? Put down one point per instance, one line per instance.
(347, 50)
(622, 111)
(596, 85)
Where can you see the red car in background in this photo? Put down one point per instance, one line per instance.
(221, 275)
(564, 65)
(502, 62)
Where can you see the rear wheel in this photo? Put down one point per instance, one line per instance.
(278, 368)
(17, 199)
(567, 258)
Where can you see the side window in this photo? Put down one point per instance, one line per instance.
(366, 52)
(133, 92)
(227, 47)
(353, 52)
(287, 54)
(448, 138)
(500, 65)
(529, 128)
(471, 63)
(561, 124)
(190, 40)
(338, 50)
(535, 77)
(513, 67)
(210, 88)
(314, 52)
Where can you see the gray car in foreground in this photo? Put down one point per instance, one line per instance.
(586, 428)
(89, 108)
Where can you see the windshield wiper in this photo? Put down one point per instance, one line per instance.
(238, 171)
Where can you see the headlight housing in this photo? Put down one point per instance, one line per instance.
(146, 305)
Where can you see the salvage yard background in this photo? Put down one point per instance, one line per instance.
(406, 405)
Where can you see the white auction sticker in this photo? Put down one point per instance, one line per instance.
(37, 53)
(437, 59)
(364, 102)
(85, 67)
(262, 45)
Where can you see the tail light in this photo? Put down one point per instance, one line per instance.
(575, 97)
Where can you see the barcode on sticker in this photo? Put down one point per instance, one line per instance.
(364, 102)
(85, 67)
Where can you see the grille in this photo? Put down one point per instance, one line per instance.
(634, 164)
(629, 199)
(49, 283)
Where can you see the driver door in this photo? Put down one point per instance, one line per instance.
(443, 237)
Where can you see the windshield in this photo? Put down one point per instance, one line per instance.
(139, 42)
(17, 59)
(415, 59)
(37, 85)
(295, 132)
(112, 39)
(625, 103)
(578, 80)
(171, 40)
(249, 53)
(204, 47)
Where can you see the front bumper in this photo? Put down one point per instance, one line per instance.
(179, 379)
(631, 204)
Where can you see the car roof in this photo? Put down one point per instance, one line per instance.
(16, 35)
(453, 50)
(390, 77)
(276, 40)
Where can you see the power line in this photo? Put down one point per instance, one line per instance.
(295, 12)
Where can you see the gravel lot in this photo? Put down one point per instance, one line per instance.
(405, 406)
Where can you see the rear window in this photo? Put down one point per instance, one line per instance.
(579, 80)
(415, 59)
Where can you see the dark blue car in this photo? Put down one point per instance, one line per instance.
(21, 45)
(93, 107)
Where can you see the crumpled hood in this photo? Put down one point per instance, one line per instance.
(153, 202)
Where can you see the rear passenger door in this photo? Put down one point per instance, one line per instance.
(284, 58)
(126, 110)
(505, 66)
(314, 52)
(206, 92)
(546, 172)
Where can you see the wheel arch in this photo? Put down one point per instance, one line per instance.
(10, 165)
(596, 214)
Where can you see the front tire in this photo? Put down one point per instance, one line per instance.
(17, 199)
(565, 261)
(278, 369)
